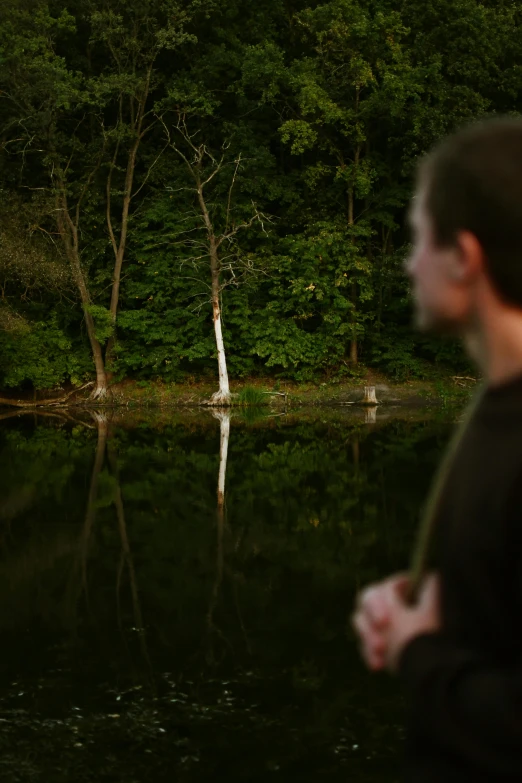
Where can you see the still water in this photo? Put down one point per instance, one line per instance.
(176, 589)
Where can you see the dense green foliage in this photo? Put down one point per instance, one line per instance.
(327, 106)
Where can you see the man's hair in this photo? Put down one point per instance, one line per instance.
(473, 182)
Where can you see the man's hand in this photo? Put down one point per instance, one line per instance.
(385, 622)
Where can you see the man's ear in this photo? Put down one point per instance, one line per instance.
(469, 260)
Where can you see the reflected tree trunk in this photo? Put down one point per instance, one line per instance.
(126, 559)
(105, 452)
(224, 420)
(224, 424)
(102, 425)
(370, 414)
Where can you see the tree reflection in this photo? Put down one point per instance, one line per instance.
(126, 559)
(224, 430)
(123, 508)
(299, 510)
(370, 414)
(100, 420)
(106, 464)
(224, 435)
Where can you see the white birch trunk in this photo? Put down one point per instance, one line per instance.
(224, 426)
(222, 397)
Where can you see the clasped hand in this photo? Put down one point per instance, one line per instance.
(386, 623)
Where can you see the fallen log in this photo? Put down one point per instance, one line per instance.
(42, 403)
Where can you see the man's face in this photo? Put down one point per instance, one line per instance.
(441, 301)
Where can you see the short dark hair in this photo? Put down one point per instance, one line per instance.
(473, 182)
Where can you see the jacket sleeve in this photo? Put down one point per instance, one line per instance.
(464, 704)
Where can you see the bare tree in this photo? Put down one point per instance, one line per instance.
(217, 244)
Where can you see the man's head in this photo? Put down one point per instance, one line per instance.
(467, 224)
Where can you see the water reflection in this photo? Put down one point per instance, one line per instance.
(370, 414)
(92, 499)
(176, 592)
(224, 436)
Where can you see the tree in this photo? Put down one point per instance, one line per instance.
(219, 247)
(79, 121)
(326, 107)
(44, 102)
(131, 36)
(352, 78)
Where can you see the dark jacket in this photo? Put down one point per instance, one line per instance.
(465, 683)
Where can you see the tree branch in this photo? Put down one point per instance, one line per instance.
(231, 188)
(109, 194)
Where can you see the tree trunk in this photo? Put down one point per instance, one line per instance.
(69, 235)
(386, 234)
(119, 246)
(101, 390)
(224, 421)
(354, 351)
(221, 397)
(378, 322)
(369, 396)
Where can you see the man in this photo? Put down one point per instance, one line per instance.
(458, 648)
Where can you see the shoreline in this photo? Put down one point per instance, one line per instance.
(443, 392)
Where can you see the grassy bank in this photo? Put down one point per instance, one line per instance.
(441, 392)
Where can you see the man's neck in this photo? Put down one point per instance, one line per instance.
(495, 344)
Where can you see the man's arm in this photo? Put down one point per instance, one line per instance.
(464, 704)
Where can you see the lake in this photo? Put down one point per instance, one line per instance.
(177, 586)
